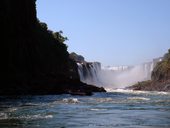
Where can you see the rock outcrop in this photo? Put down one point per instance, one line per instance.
(34, 62)
(160, 78)
(77, 58)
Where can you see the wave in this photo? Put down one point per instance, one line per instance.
(97, 109)
(117, 90)
(137, 92)
(28, 105)
(12, 109)
(34, 117)
(138, 98)
(70, 100)
(4, 116)
(104, 100)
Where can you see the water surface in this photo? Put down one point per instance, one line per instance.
(120, 109)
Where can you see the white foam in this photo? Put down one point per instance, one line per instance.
(12, 109)
(137, 92)
(70, 100)
(33, 117)
(96, 109)
(3, 116)
(104, 99)
(138, 98)
(49, 116)
(118, 90)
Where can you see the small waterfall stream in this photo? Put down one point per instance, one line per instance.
(89, 72)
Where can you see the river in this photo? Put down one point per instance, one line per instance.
(114, 109)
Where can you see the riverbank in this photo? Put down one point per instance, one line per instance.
(151, 86)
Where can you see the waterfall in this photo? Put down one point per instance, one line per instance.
(114, 76)
(89, 72)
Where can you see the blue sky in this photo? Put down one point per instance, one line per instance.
(113, 32)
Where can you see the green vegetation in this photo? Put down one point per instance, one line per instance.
(58, 36)
(140, 85)
(161, 71)
(54, 51)
(167, 55)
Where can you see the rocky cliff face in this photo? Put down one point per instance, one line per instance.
(162, 70)
(77, 58)
(34, 62)
(18, 14)
(31, 51)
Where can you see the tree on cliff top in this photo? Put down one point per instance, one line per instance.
(167, 56)
(58, 36)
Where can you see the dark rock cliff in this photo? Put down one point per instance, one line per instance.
(34, 62)
(31, 51)
(77, 58)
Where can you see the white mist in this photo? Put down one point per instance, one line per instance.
(114, 77)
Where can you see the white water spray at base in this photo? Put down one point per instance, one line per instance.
(114, 77)
(117, 76)
(126, 77)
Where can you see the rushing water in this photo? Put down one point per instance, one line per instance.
(117, 76)
(120, 109)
